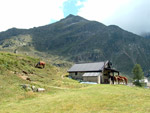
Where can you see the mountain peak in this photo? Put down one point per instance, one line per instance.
(73, 19)
(70, 16)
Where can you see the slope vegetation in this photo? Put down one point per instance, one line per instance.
(62, 94)
(91, 99)
(14, 71)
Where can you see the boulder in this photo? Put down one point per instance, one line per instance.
(34, 89)
(40, 89)
(26, 87)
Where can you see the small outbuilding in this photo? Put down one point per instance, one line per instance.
(99, 72)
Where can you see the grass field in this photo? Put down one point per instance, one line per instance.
(62, 95)
(90, 99)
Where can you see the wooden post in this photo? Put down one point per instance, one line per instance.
(113, 77)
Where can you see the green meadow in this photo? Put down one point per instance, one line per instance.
(62, 95)
(90, 99)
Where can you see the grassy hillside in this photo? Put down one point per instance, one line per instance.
(15, 68)
(62, 94)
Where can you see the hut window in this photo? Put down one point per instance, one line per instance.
(76, 73)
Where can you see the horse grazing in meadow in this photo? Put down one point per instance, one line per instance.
(40, 64)
(122, 79)
(118, 79)
(125, 79)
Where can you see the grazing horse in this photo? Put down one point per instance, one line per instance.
(40, 64)
(125, 79)
(118, 79)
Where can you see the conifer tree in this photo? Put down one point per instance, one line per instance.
(138, 74)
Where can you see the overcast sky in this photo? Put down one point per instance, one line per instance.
(131, 15)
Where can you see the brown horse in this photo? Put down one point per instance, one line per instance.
(40, 64)
(118, 79)
(125, 79)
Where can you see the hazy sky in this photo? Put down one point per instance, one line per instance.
(131, 15)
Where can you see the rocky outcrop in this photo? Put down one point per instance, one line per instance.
(28, 87)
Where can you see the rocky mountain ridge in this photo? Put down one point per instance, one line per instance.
(80, 40)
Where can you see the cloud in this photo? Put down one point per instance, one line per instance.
(29, 13)
(72, 6)
(79, 3)
(131, 15)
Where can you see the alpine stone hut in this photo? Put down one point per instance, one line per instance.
(99, 72)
